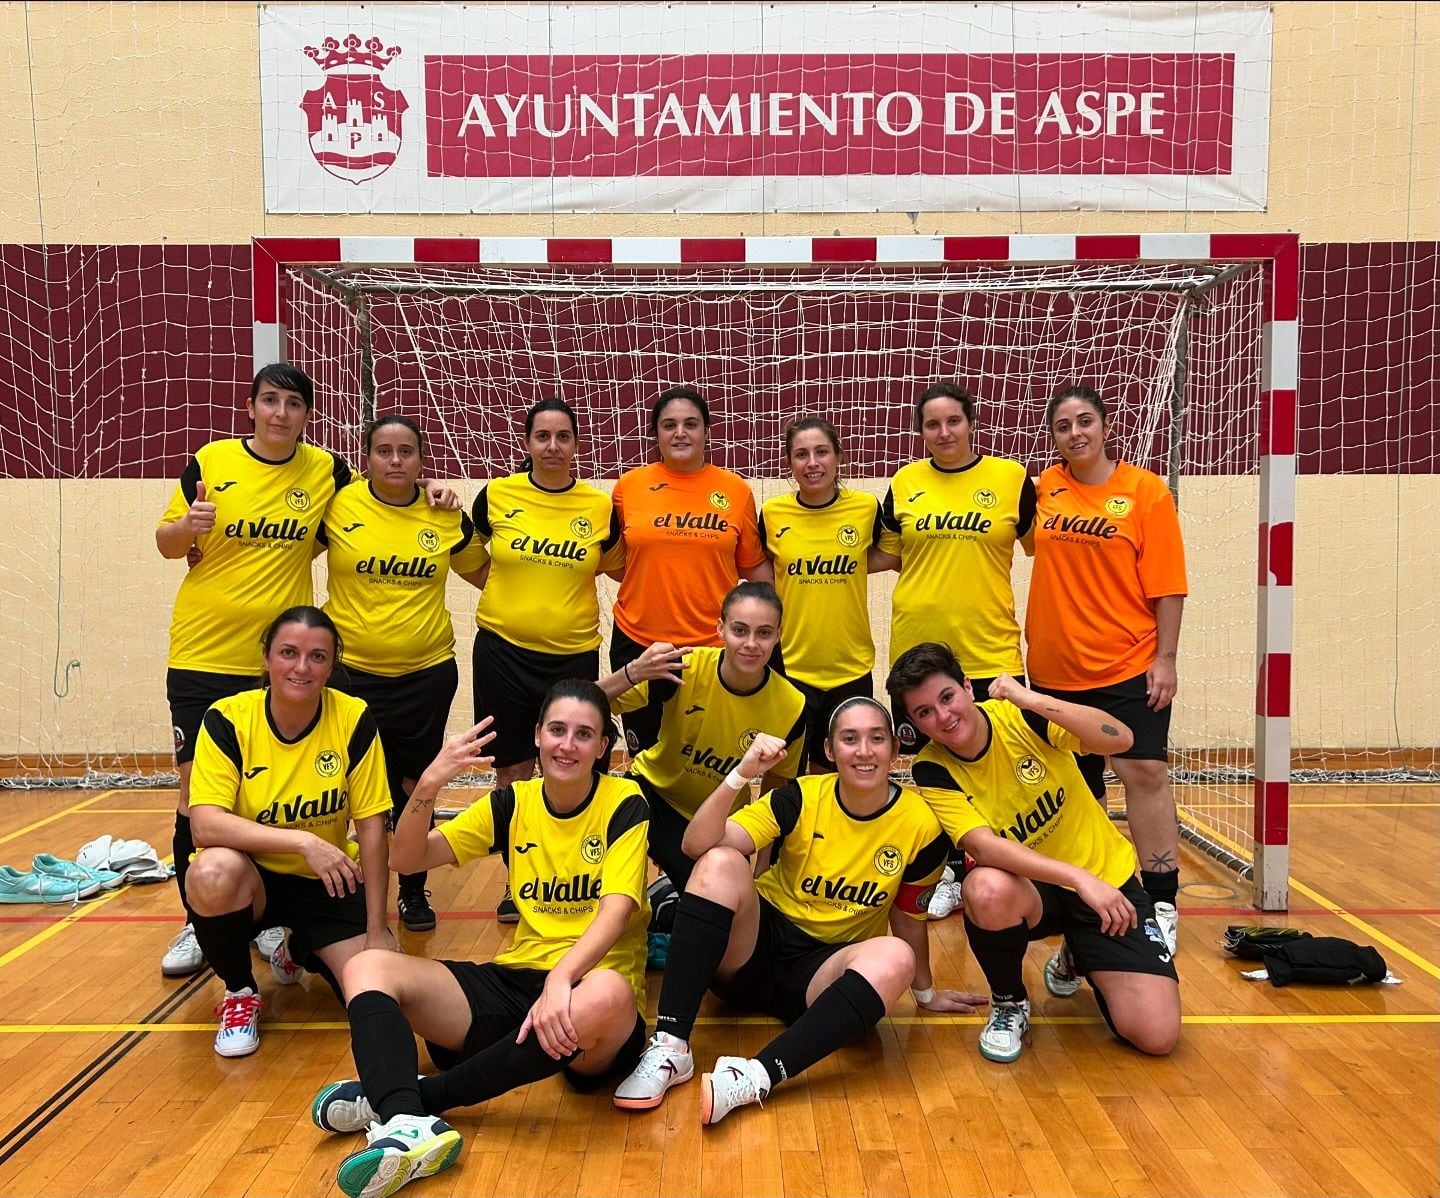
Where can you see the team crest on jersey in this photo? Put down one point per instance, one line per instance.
(849, 536)
(986, 498)
(354, 122)
(889, 860)
(297, 499)
(1030, 770)
(592, 848)
(327, 763)
(718, 499)
(747, 738)
(907, 735)
(582, 527)
(429, 540)
(179, 737)
(1118, 506)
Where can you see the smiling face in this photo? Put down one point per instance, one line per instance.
(945, 711)
(861, 745)
(298, 663)
(551, 443)
(815, 465)
(393, 459)
(946, 430)
(750, 629)
(1079, 431)
(279, 417)
(571, 737)
(680, 435)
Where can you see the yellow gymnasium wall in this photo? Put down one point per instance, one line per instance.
(139, 123)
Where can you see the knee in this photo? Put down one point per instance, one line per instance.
(368, 970)
(1156, 1037)
(992, 898)
(1146, 779)
(215, 881)
(605, 997)
(718, 873)
(889, 966)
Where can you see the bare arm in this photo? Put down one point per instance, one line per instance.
(876, 560)
(916, 933)
(374, 851)
(415, 847)
(1160, 679)
(661, 660)
(214, 827)
(712, 827)
(761, 572)
(175, 538)
(1099, 732)
(476, 578)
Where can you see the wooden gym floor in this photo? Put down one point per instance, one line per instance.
(110, 1086)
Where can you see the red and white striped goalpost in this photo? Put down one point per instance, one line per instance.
(1276, 254)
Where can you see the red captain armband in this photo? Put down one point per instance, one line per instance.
(914, 900)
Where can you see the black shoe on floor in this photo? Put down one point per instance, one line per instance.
(506, 911)
(416, 913)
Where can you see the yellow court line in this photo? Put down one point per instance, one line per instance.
(50, 819)
(1335, 909)
(80, 912)
(167, 810)
(1299, 1020)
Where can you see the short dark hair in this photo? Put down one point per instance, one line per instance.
(287, 378)
(762, 591)
(915, 665)
(584, 691)
(386, 421)
(943, 390)
(553, 404)
(309, 616)
(669, 396)
(1076, 391)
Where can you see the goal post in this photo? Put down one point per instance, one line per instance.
(1194, 335)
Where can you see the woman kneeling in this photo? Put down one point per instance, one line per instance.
(565, 997)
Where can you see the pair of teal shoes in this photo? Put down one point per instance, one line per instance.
(53, 880)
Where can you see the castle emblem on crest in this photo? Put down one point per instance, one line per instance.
(354, 119)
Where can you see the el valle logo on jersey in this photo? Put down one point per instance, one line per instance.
(354, 120)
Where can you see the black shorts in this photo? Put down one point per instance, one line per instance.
(316, 919)
(510, 684)
(1126, 702)
(820, 705)
(911, 739)
(411, 711)
(500, 997)
(666, 830)
(779, 971)
(1141, 950)
(190, 693)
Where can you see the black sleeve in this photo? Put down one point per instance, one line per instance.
(467, 533)
(631, 813)
(1038, 724)
(502, 811)
(887, 511)
(188, 478)
(361, 739)
(613, 538)
(935, 777)
(879, 524)
(800, 727)
(322, 536)
(1026, 518)
(760, 526)
(480, 512)
(222, 732)
(929, 859)
(341, 471)
(785, 803)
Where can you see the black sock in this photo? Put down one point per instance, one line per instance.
(385, 1055)
(182, 844)
(225, 941)
(697, 945)
(1001, 957)
(844, 1011)
(412, 885)
(493, 1071)
(1162, 888)
(1092, 769)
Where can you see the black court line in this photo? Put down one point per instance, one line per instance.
(43, 1115)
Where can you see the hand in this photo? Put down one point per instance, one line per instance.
(383, 940)
(193, 556)
(959, 1002)
(200, 519)
(1160, 683)
(441, 495)
(461, 752)
(332, 866)
(550, 1020)
(661, 660)
(763, 755)
(1116, 912)
(1005, 687)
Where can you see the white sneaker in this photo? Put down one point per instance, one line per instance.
(1003, 1036)
(267, 941)
(667, 1062)
(183, 957)
(286, 971)
(1169, 920)
(1060, 977)
(397, 1152)
(342, 1107)
(239, 1033)
(946, 898)
(735, 1082)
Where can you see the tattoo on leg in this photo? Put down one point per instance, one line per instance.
(1109, 730)
(1162, 863)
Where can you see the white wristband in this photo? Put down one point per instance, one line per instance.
(735, 780)
(925, 996)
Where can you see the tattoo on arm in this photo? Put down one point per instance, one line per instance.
(1162, 863)
(1109, 730)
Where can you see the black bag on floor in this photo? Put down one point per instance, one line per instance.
(1325, 961)
(1252, 942)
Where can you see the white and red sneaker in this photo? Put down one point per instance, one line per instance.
(239, 1033)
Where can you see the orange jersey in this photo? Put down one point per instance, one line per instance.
(687, 537)
(1103, 555)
